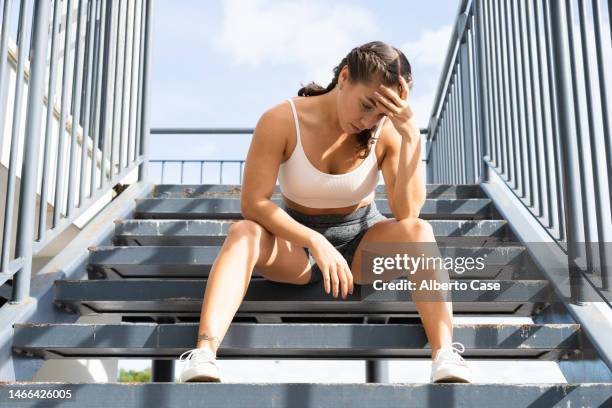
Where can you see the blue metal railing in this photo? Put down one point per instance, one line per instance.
(220, 171)
(518, 99)
(77, 48)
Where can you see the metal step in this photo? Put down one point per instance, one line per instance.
(224, 190)
(211, 208)
(318, 395)
(145, 296)
(214, 232)
(196, 261)
(168, 341)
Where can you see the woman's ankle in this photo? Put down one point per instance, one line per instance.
(208, 342)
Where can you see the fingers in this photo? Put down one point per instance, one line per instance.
(335, 280)
(387, 104)
(405, 90)
(326, 278)
(390, 94)
(349, 276)
(343, 281)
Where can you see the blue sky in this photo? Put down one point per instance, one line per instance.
(223, 63)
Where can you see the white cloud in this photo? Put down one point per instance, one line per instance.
(430, 48)
(313, 34)
(426, 55)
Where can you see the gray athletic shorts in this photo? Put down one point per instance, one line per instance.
(343, 231)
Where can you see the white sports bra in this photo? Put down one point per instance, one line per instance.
(301, 182)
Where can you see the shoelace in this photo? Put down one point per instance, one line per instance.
(456, 348)
(192, 353)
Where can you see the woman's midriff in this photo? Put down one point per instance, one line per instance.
(321, 211)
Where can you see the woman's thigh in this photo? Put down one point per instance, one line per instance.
(390, 231)
(279, 260)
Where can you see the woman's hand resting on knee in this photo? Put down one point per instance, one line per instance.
(333, 266)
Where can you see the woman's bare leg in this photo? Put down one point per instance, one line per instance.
(435, 315)
(248, 245)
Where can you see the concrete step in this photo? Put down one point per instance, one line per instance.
(318, 395)
(506, 262)
(215, 207)
(229, 190)
(157, 296)
(214, 232)
(168, 341)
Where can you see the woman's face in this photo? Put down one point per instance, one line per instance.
(357, 109)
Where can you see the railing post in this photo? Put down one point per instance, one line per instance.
(567, 137)
(146, 74)
(431, 136)
(33, 133)
(480, 93)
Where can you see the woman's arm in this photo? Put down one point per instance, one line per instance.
(260, 173)
(402, 170)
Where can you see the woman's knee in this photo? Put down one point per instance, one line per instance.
(245, 229)
(416, 228)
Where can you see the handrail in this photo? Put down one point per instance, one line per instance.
(517, 100)
(100, 132)
(203, 162)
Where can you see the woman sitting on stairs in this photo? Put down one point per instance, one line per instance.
(310, 144)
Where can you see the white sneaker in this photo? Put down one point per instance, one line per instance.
(200, 366)
(449, 366)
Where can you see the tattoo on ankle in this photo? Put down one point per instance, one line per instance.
(207, 337)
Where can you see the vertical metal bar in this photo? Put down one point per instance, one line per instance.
(85, 135)
(182, 170)
(582, 144)
(145, 129)
(474, 102)
(135, 69)
(76, 103)
(528, 172)
(221, 172)
(50, 119)
(240, 175)
(163, 163)
(602, 212)
(506, 94)
(568, 149)
(162, 371)
(106, 103)
(496, 49)
(490, 81)
(539, 177)
(512, 117)
(140, 80)
(116, 95)
(603, 91)
(12, 174)
(201, 170)
(100, 63)
(377, 371)
(443, 143)
(481, 84)
(29, 173)
(66, 73)
(467, 109)
(552, 90)
(4, 83)
(549, 172)
(127, 63)
(455, 138)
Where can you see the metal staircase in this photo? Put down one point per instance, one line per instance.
(513, 159)
(154, 276)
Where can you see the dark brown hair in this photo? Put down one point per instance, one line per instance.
(375, 60)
